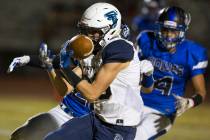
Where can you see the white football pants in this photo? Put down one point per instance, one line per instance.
(152, 125)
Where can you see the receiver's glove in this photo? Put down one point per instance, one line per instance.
(18, 62)
(183, 104)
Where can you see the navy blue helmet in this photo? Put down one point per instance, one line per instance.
(172, 20)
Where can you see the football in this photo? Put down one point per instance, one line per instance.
(81, 45)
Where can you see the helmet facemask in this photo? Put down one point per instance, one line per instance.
(95, 34)
(172, 24)
(170, 35)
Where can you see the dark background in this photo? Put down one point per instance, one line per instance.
(26, 23)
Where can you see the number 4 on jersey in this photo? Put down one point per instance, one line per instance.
(164, 85)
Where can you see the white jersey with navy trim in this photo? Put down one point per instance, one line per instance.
(124, 105)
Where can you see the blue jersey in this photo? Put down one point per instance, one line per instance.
(75, 105)
(171, 70)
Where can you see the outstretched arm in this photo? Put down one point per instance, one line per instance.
(105, 76)
(198, 82)
(60, 83)
(57, 79)
(183, 104)
(44, 59)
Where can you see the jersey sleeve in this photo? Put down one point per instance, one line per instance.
(197, 59)
(143, 43)
(117, 51)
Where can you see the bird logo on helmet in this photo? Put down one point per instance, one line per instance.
(174, 20)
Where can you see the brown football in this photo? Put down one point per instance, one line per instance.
(81, 45)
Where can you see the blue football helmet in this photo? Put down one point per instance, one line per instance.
(172, 23)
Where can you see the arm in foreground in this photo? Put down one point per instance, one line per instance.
(105, 76)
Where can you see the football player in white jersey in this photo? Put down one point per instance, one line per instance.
(112, 83)
(72, 105)
(115, 108)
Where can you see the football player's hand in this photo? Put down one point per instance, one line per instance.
(66, 56)
(146, 67)
(18, 62)
(162, 122)
(182, 104)
(46, 57)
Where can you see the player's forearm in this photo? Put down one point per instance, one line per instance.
(36, 62)
(202, 93)
(200, 88)
(104, 78)
(60, 84)
(198, 82)
(90, 91)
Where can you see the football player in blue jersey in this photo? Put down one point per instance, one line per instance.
(149, 14)
(176, 60)
(72, 105)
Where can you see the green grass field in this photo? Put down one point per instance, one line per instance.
(193, 125)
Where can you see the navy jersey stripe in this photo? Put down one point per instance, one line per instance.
(118, 51)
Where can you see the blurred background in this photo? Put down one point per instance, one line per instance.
(26, 23)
